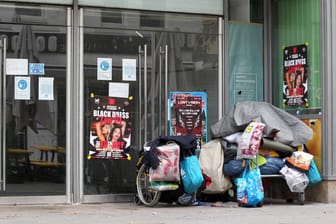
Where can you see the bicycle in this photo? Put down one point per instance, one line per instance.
(150, 196)
(145, 193)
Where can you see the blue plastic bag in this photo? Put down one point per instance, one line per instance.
(191, 174)
(313, 173)
(250, 191)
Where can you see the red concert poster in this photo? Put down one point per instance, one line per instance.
(188, 115)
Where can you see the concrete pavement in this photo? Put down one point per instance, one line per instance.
(130, 213)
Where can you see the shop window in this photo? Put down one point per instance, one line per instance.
(20, 13)
(111, 17)
(245, 51)
(147, 20)
(296, 50)
(246, 10)
(257, 11)
(28, 11)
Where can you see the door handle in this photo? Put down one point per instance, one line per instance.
(140, 53)
(161, 52)
(165, 53)
(145, 93)
(143, 54)
(166, 89)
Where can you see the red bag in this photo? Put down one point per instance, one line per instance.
(168, 169)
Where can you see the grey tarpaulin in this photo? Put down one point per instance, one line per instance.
(28, 112)
(283, 126)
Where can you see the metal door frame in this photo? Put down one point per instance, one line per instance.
(3, 46)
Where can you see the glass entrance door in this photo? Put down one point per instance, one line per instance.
(132, 61)
(33, 102)
(115, 81)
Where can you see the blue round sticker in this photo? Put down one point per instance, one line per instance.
(104, 65)
(22, 84)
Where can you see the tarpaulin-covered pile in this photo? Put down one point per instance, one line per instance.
(283, 133)
(280, 126)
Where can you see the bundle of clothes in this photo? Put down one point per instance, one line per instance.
(270, 161)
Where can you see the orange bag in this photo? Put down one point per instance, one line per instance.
(300, 160)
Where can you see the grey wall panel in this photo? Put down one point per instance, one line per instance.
(328, 14)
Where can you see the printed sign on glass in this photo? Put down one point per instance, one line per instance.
(22, 88)
(46, 88)
(104, 68)
(16, 66)
(36, 68)
(129, 69)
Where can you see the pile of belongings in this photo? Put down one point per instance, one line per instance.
(282, 135)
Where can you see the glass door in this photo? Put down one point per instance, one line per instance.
(132, 61)
(33, 102)
(116, 67)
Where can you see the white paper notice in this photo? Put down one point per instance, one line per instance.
(22, 88)
(46, 88)
(16, 66)
(129, 69)
(104, 68)
(118, 89)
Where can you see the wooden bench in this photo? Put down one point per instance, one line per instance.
(45, 163)
(48, 167)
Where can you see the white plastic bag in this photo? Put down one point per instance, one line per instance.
(211, 159)
(297, 181)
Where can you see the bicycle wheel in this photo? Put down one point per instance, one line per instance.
(147, 196)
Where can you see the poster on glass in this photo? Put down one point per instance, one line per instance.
(188, 115)
(295, 76)
(110, 129)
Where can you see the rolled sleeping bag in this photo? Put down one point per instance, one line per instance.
(278, 146)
